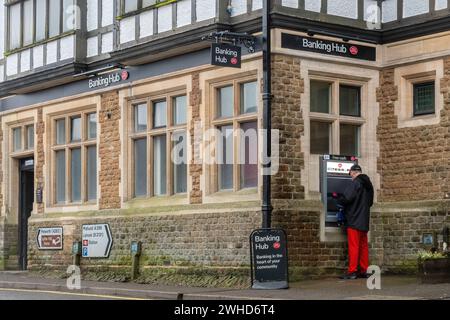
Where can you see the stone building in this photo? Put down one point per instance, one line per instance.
(94, 95)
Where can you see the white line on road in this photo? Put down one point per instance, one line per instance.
(72, 294)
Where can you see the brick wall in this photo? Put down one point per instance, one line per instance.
(109, 151)
(287, 87)
(414, 162)
(210, 239)
(40, 157)
(195, 167)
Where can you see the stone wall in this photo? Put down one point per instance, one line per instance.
(109, 151)
(9, 259)
(40, 157)
(195, 167)
(414, 163)
(207, 239)
(287, 87)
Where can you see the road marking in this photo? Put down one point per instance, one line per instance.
(72, 294)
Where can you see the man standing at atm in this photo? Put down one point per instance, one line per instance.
(357, 200)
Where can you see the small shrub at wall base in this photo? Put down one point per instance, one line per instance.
(434, 267)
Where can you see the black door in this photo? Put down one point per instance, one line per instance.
(26, 198)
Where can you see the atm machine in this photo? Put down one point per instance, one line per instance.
(334, 177)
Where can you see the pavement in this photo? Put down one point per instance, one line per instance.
(22, 285)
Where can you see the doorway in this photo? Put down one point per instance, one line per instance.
(26, 199)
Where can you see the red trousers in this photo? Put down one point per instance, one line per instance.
(358, 250)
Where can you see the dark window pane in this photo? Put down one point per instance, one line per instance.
(41, 12)
(60, 176)
(54, 17)
(424, 98)
(61, 131)
(320, 96)
(30, 137)
(349, 140)
(225, 102)
(17, 139)
(92, 173)
(248, 97)
(75, 170)
(159, 114)
(75, 129)
(140, 167)
(225, 158)
(249, 155)
(350, 101)
(92, 126)
(320, 137)
(179, 110)
(140, 118)
(159, 165)
(179, 163)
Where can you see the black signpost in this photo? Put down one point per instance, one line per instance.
(269, 259)
(226, 55)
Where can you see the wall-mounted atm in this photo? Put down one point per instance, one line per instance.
(334, 177)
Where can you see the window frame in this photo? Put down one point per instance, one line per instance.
(169, 130)
(414, 96)
(25, 149)
(67, 147)
(235, 120)
(34, 40)
(334, 118)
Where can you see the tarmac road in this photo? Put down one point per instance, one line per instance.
(27, 294)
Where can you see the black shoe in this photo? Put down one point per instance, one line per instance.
(363, 275)
(349, 276)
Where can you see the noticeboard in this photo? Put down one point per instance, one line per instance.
(269, 259)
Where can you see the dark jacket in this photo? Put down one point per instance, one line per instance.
(357, 200)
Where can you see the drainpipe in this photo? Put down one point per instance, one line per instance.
(267, 115)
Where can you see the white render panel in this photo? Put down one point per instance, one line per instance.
(389, 11)
(165, 18)
(12, 62)
(38, 56)
(205, 9)
(257, 4)
(146, 24)
(92, 47)
(2, 73)
(107, 12)
(92, 15)
(313, 5)
(107, 42)
(184, 15)
(440, 4)
(290, 3)
(52, 52)
(415, 7)
(2, 34)
(238, 7)
(127, 30)
(343, 8)
(370, 9)
(25, 60)
(66, 47)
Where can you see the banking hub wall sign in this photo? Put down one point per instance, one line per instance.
(335, 48)
(108, 79)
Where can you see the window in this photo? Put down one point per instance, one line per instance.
(158, 140)
(424, 98)
(22, 138)
(335, 117)
(75, 158)
(133, 5)
(29, 21)
(236, 127)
